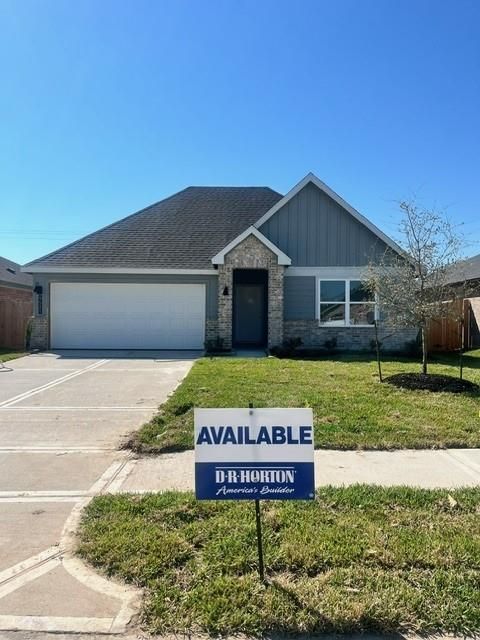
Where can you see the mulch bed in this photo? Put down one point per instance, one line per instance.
(432, 382)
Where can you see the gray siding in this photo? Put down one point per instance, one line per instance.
(211, 283)
(299, 298)
(317, 232)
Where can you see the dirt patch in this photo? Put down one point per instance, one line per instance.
(432, 382)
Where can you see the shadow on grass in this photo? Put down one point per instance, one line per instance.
(470, 361)
(352, 356)
(353, 635)
(366, 626)
(320, 620)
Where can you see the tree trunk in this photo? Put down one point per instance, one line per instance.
(462, 345)
(424, 350)
(377, 348)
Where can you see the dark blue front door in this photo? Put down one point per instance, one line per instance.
(250, 308)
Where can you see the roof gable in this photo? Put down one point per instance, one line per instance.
(311, 178)
(282, 258)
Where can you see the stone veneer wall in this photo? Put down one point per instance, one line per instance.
(39, 336)
(211, 330)
(348, 338)
(251, 254)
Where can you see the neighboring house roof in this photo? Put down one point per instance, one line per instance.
(464, 271)
(183, 231)
(12, 276)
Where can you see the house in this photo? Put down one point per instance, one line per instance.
(244, 266)
(15, 304)
(464, 277)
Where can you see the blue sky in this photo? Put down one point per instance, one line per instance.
(106, 107)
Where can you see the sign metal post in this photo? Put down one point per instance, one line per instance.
(258, 523)
(261, 568)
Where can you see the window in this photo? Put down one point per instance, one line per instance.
(346, 303)
(333, 302)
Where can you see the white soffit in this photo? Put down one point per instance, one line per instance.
(120, 270)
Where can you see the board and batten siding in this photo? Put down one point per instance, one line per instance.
(313, 230)
(211, 282)
(299, 298)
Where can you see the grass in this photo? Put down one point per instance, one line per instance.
(8, 354)
(356, 559)
(352, 409)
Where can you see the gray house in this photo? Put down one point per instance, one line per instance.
(244, 265)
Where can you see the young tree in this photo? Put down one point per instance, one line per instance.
(413, 289)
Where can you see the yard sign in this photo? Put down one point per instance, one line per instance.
(254, 454)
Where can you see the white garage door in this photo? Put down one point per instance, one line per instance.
(127, 316)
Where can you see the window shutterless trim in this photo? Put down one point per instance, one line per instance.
(346, 302)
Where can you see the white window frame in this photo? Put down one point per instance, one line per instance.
(347, 303)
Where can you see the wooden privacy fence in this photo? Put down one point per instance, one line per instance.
(15, 312)
(452, 332)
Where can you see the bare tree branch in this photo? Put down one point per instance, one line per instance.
(412, 291)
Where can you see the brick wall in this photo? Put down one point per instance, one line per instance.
(251, 254)
(39, 337)
(211, 330)
(348, 338)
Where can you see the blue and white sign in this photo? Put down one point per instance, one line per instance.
(253, 454)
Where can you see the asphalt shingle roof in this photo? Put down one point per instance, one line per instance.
(465, 270)
(183, 231)
(11, 274)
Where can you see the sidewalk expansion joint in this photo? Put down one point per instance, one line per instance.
(470, 468)
(20, 569)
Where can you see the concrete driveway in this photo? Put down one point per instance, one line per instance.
(63, 416)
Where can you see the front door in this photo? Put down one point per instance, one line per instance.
(250, 307)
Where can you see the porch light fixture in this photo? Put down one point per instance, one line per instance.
(39, 291)
(225, 291)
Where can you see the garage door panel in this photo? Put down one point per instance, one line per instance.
(127, 316)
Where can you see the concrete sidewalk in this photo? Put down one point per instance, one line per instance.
(444, 468)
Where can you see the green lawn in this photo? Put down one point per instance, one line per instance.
(356, 559)
(8, 354)
(352, 409)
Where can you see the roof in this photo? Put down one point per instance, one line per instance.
(187, 231)
(183, 231)
(11, 274)
(464, 270)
